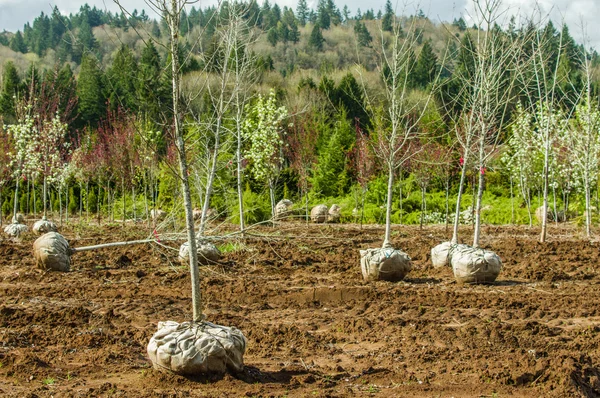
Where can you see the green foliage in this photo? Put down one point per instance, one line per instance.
(73, 200)
(330, 176)
(316, 39)
(363, 37)
(256, 207)
(10, 88)
(92, 201)
(90, 90)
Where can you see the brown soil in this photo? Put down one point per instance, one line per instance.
(314, 328)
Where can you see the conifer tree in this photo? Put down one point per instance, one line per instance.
(17, 44)
(388, 17)
(10, 89)
(122, 91)
(427, 67)
(89, 91)
(303, 12)
(316, 39)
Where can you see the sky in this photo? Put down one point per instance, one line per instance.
(580, 15)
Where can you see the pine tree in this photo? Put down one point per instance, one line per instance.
(324, 19)
(316, 39)
(89, 91)
(362, 34)
(121, 87)
(388, 17)
(427, 66)
(351, 97)
(273, 36)
(17, 44)
(151, 96)
(346, 14)
(10, 89)
(303, 12)
(330, 174)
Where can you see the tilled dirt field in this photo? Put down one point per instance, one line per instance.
(314, 328)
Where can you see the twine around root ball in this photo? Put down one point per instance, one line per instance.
(386, 264)
(195, 348)
(15, 230)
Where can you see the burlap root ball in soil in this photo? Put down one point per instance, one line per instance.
(283, 209)
(319, 214)
(18, 219)
(334, 214)
(15, 230)
(197, 348)
(441, 254)
(207, 253)
(43, 226)
(386, 264)
(52, 252)
(475, 265)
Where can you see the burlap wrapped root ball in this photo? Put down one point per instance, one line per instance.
(386, 264)
(15, 230)
(43, 226)
(475, 265)
(283, 209)
(52, 252)
(207, 253)
(441, 254)
(319, 214)
(334, 214)
(197, 348)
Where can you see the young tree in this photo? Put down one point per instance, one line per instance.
(398, 122)
(262, 130)
(488, 88)
(316, 39)
(5, 170)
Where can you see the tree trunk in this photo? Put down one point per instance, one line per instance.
(422, 205)
(238, 155)
(67, 203)
(60, 211)
(588, 214)
(463, 174)
(447, 203)
(555, 208)
(272, 198)
(146, 196)
(173, 19)
(512, 202)
(87, 201)
(133, 202)
(399, 194)
(44, 198)
(123, 200)
(477, 232)
(16, 199)
(80, 202)
(388, 210)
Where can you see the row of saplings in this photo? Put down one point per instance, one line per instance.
(192, 348)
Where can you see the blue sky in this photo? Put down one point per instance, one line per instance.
(580, 15)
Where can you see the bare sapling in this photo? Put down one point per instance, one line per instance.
(584, 137)
(488, 87)
(197, 346)
(397, 124)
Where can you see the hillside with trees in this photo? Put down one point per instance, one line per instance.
(107, 77)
